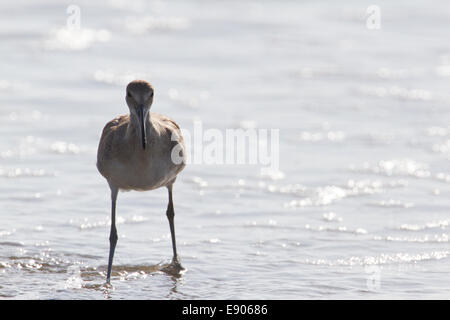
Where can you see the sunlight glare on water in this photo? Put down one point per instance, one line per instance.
(363, 183)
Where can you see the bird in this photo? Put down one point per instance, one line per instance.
(141, 151)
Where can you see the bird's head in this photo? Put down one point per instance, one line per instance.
(139, 99)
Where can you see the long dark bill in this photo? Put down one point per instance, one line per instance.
(140, 111)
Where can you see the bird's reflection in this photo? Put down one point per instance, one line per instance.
(90, 277)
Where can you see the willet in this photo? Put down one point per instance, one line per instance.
(136, 153)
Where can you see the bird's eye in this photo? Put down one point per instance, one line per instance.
(128, 94)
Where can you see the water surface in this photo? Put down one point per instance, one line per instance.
(360, 209)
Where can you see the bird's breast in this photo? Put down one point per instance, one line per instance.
(142, 171)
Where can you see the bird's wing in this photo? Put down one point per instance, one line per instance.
(169, 125)
(107, 140)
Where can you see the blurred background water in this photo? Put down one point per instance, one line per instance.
(359, 209)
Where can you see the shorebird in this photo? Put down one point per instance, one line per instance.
(141, 151)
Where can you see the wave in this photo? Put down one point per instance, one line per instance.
(382, 259)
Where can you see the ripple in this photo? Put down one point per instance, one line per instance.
(25, 116)
(213, 240)
(436, 131)
(27, 197)
(425, 239)
(271, 173)
(198, 181)
(26, 147)
(118, 78)
(445, 177)
(381, 259)
(443, 70)
(443, 224)
(6, 233)
(401, 167)
(271, 224)
(86, 224)
(342, 229)
(388, 73)
(24, 172)
(43, 263)
(331, 136)
(405, 167)
(75, 39)
(62, 147)
(31, 145)
(443, 147)
(397, 92)
(331, 216)
(190, 99)
(392, 204)
(11, 243)
(322, 196)
(141, 25)
(375, 138)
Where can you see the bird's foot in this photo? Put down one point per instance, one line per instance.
(174, 268)
(177, 265)
(107, 286)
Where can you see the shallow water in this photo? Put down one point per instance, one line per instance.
(360, 209)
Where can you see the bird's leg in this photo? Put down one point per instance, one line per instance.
(170, 215)
(113, 233)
